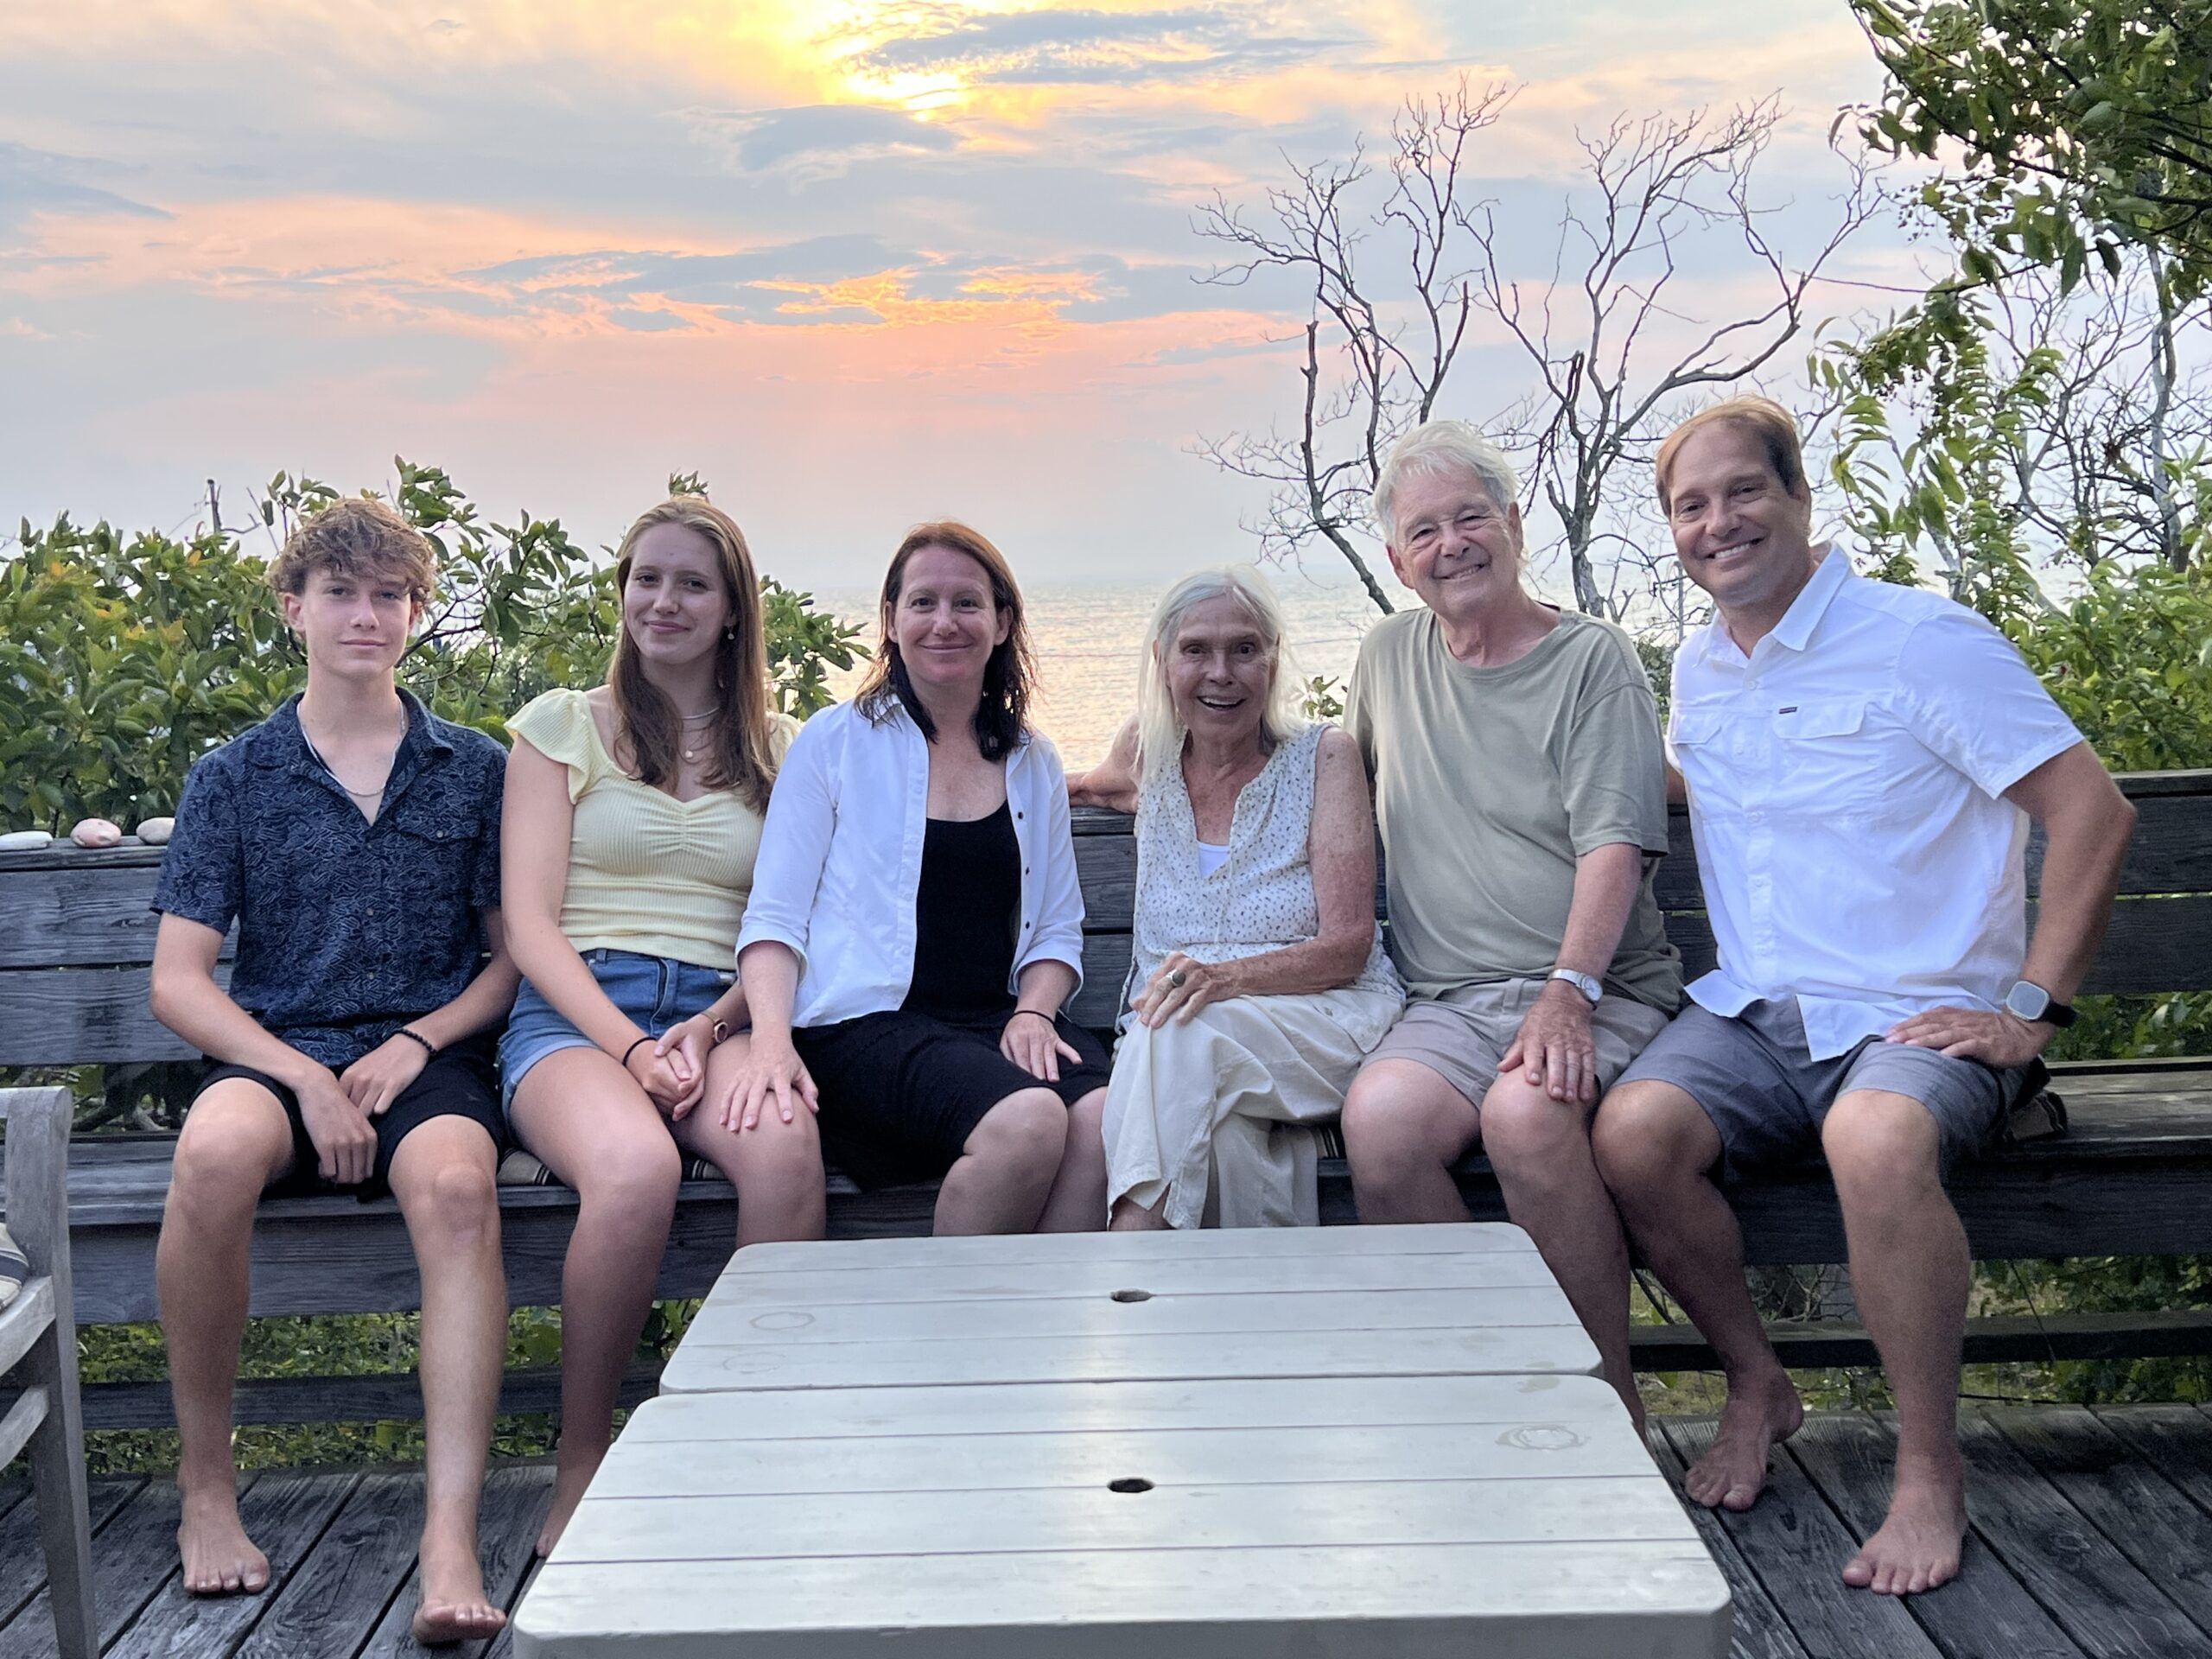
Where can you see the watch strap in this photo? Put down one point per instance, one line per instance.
(1592, 988)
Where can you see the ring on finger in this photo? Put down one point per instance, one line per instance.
(1176, 976)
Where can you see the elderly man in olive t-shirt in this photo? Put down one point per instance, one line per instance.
(1520, 788)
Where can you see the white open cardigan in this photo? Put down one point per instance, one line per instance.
(841, 861)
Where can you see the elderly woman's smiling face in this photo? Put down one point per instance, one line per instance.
(1220, 671)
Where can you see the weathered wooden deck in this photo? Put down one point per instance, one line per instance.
(2092, 1536)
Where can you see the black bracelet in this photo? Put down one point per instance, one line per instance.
(1040, 1014)
(429, 1047)
(632, 1049)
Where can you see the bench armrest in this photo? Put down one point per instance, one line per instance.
(37, 1195)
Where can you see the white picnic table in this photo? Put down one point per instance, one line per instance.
(1342, 1441)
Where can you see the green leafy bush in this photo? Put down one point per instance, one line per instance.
(124, 657)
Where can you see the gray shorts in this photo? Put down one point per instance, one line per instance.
(1463, 1034)
(1755, 1076)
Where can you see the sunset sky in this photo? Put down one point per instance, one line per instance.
(857, 264)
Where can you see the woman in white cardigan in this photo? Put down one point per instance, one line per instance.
(916, 924)
(1260, 981)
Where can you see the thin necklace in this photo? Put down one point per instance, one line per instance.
(374, 795)
(694, 720)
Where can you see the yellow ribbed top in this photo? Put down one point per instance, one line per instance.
(646, 872)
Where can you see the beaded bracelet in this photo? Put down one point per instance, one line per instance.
(409, 1032)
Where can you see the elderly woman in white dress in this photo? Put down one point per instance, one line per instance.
(1259, 980)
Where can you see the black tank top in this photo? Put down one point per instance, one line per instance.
(965, 915)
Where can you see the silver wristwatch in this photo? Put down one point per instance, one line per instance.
(1589, 984)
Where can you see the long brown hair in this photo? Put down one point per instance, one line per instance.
(647, 725)
(1002, 715)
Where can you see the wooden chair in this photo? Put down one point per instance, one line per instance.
(38, 1358)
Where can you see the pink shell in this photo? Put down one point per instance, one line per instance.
(96, 832)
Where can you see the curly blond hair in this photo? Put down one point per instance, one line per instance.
(357, 537)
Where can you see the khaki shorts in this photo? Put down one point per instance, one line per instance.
(1463, 1034)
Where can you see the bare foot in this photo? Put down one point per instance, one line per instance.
(454, 1607)
(1760, 1414)
(1917, 1546)
(568, 1484)
(438, 1623)
(219, 1559)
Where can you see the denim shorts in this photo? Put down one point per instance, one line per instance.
(654, 991)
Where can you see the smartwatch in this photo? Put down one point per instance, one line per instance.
(1589, 984)
(2028, 1001)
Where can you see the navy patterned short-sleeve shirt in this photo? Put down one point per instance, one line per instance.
(347, 930)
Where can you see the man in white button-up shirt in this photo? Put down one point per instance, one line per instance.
(1862, 761)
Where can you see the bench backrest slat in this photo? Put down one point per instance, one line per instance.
(76, 934)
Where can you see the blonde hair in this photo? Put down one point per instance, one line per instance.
(739, 756)
(1766, 420)
(1160, 729)
(357, 537)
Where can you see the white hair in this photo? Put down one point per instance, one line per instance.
(1439, 447)
(1160, 729)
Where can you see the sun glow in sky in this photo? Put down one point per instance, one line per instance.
(857, 264)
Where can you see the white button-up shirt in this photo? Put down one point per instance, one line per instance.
(1845, 784)
(841, 861)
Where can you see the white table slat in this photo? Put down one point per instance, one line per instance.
(1495, 1351)
(1120, 1408)
(1279, 1244)
(1526, 1519)
(1205, 1276)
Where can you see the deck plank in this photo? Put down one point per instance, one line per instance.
(1757, 1630)
(2102, 1599)
(1797, 1546)
(132, 1555)
(1985, 1612)
(512, 1509)
(335, 1598)
(285, 1514)
(2175, 1441)
(2132, 1503)
(23, 1565)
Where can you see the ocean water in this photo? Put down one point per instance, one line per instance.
(1088, 638)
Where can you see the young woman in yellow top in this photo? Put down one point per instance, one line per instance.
(632, 815)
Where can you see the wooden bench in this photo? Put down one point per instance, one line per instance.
(2133, 1177)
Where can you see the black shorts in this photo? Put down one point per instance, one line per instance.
(458, 1081)
(901, 1091)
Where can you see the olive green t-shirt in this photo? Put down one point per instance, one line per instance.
(1489, 784)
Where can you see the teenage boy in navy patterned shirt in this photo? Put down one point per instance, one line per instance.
(352, 837)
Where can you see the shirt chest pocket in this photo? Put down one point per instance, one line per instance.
(428, 863)
(1829, 759)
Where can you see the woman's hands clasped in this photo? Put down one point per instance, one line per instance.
(673, 1071)
(1180, 986)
